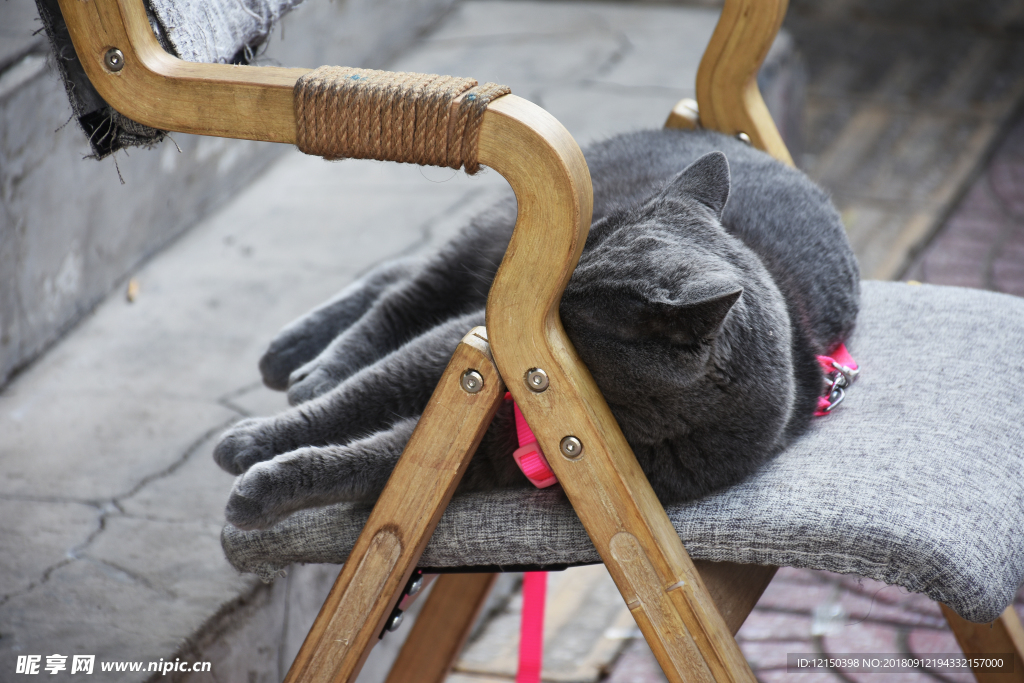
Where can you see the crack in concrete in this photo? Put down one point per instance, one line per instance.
(227, 400)
(70, 557)
(132, 576)
(106, 508)
(190, 450)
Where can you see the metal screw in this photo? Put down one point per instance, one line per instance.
(743, 137)
(114, 59)
(472, 381)
(536, 379)
(571, 447)
(394, 621)
(415, 585)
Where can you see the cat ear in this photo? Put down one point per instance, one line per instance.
(706, 180)
(693, 321)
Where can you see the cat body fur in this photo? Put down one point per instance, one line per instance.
(703, 295)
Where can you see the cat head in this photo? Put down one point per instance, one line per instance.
(664, 303)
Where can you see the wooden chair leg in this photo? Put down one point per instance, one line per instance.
(735, 588)
(1004, 635)
(403, 519)
(441, 629)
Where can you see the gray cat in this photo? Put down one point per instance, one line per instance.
(698, 309)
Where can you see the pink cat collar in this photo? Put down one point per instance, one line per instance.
(528, 456)
(840, 370)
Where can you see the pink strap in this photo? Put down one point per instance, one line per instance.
(528, 456)
(531, 628)
(841, 356)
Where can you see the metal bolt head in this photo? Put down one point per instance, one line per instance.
(415, 585)
(114, 59)
(571, 447)
(536, 379)
(743, 137)
(472, 381)
(394, 621)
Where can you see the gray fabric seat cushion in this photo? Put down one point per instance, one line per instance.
(914, 481)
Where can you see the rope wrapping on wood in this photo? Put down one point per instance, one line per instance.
(349, 113)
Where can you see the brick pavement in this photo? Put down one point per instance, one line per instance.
(828, 614)
(982, 243)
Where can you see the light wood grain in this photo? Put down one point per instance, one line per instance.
(402, 521)
(1003, 636)
(684, 115)
(735, 588)
(159, 90)
(606, 485)
(441, 629)
(727, 94)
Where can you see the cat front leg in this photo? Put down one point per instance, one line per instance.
(315, 476)
(395, 387)
(400, 314)
(303, 339)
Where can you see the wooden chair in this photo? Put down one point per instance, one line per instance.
(687, 611)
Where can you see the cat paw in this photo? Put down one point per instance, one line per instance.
(242, 446)
(280, 360)
(310, 381)
(250, 505)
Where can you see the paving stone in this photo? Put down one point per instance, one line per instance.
(1006, 175)
(771, 655)
(862, 637)
(775, 676)
(801, 576)
(931, 641)
(892, 605)
(637, 665)
(767, 624)
(793, 597)
(475, 678)
(584, 617)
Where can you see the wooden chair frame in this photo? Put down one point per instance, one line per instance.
(687, 611)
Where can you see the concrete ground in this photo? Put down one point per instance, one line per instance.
(111, 502)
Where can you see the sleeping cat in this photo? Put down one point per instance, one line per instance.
(699, 305)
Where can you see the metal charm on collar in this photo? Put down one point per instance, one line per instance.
(840, 372)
